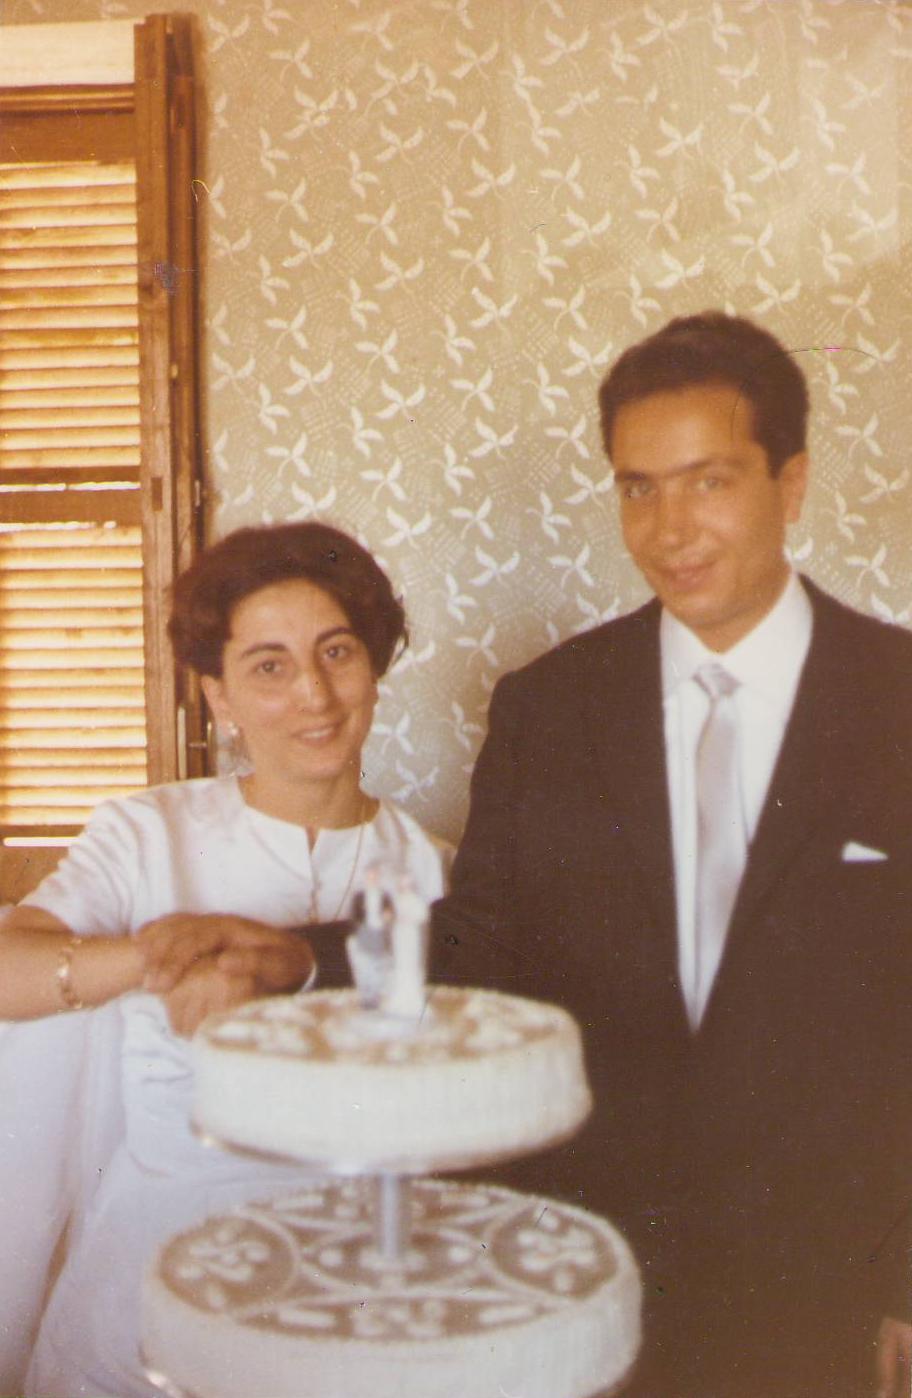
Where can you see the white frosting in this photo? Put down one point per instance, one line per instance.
(501, 1293)
(315, 1077)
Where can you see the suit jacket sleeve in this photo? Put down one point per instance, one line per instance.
(475, 936)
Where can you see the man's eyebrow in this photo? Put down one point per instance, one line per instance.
(262, 647)
(277, 647)
(625, 475)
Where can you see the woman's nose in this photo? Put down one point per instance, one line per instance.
(311, 688)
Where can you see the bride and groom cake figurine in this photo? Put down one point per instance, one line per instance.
(388, 949)
(483, 1291)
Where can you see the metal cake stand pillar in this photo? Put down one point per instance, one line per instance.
(392, 1217)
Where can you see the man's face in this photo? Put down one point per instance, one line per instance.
(702, 517)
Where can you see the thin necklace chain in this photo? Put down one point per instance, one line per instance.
(313, 914)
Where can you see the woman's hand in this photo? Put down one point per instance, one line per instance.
(204, 990)
(272, 959)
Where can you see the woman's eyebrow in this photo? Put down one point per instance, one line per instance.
(274, 647)
(260, 646)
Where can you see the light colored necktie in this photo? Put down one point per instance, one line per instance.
(721, 834)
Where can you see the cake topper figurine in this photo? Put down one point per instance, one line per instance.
(369, 947)
(388, 949)
(406, 993)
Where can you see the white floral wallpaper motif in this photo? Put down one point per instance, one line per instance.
(431, 224)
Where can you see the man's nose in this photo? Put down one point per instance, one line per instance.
(673, 520)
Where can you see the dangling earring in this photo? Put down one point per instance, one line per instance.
(233, 758)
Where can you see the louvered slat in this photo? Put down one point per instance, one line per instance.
(33, 418)
(65, 759)
(110, 388)
(111, 255)
(68, 360)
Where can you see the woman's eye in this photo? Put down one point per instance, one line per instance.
(268, 667)
(338, 651)
(636, 490)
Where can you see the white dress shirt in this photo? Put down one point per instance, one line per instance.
(767, 662)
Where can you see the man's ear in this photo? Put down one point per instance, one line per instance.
(794, 479)
(215, 698)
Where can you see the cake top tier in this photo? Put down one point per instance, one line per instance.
(332, 1026)
(317, 1077)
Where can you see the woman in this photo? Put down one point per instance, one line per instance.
(192, 896)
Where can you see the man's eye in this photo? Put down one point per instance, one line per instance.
(636, 490)
(338, 651)
(268, 667)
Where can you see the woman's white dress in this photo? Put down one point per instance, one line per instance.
(140, 1173)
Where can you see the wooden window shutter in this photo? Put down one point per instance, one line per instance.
(99, 453)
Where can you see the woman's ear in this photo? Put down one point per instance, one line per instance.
(215, 698)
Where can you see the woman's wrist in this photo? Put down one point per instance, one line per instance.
(92, 970)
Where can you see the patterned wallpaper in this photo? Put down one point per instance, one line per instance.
(431, 224)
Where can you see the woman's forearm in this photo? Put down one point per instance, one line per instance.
(46, 967)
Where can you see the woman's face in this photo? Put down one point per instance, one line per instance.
(298, 682)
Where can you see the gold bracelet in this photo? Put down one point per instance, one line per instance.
(63, 975)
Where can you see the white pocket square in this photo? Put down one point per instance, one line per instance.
(853, 853)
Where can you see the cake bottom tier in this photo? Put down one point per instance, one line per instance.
(497, 1294)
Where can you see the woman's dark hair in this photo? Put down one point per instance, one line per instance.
(205, 596)
(716, 348)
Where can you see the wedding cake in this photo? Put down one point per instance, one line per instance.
(497, 1293)
(392, 1287)
(477, 1076)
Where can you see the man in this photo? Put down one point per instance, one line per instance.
(693, 827)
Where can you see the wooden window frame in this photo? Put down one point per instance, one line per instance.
(171, 477)
(162, 100)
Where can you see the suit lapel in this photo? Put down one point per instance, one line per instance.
(805, 783)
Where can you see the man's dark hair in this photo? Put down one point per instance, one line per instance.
(714, 348)
(206, 594)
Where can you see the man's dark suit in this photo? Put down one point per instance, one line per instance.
(761, 1167)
